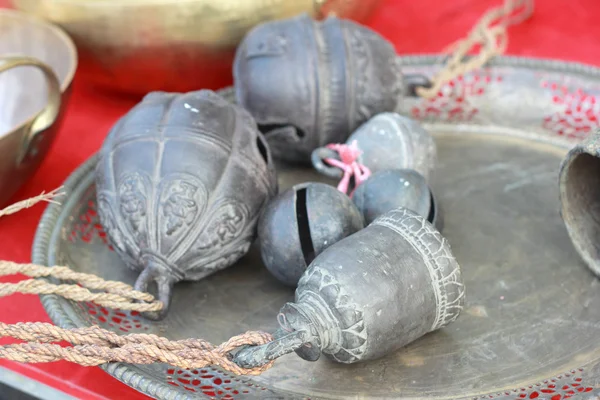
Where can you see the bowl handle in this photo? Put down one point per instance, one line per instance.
(45, 118)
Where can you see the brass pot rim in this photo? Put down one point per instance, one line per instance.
(67, 80)
(55, 29)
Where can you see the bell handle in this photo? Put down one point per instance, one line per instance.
(45, 118)
(284, 343)
(164, 284)
(317, 158)
(414, 81)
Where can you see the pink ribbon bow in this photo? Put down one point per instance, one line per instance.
(348, 164)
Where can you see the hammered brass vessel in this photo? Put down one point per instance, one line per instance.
(139, 46)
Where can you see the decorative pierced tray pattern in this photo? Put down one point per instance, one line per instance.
(529, 326)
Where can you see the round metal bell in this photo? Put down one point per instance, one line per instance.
(300, 223)
(387, 141)
(579, 185)
(370, 294)
(181, 180)
(394, 188)
(308, 83)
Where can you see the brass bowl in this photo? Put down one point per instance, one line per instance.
(37, 65)
(139, 46)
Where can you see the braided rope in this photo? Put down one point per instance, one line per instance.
(47, 197)
(492, 40)
(117, 295)
(94, 346)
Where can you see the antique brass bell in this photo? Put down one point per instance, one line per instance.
(181, 180)
(308, 83)
(393, 188)
(297, 225)
(369, 294)
(386, 141)
(579, 187)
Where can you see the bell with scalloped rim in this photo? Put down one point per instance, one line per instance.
(369, 294)
(308, 83)
(181, 180)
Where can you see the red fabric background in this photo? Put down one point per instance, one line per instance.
(565, 30)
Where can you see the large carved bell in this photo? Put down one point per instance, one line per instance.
(308, 83)
(181, 180)
(369, 294)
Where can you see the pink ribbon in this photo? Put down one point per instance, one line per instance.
(348, 164)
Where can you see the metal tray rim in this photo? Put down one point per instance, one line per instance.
(131, 375)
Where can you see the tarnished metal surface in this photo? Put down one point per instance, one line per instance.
(182, 179)
(393, 188)
(530, 321)
(301, 223)
(372, 293)
(389, 141)
(309, 83)
(579, 182)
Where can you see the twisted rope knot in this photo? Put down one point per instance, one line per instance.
(349, 164)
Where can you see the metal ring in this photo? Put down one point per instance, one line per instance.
(319, 155)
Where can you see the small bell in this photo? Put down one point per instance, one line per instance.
(181, 180)
(394, 188)
(579, 184)
(369, 294)
(386, 141)
(308, 83)
(300, 223)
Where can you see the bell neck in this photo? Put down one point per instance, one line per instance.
(306, 327)
(312, 315)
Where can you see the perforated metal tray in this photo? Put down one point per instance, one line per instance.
(532, 316)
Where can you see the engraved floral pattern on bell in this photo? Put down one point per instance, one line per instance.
(181, 181)
(377, 290)
(308, 83)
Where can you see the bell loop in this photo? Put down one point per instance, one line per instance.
(284, 343)
(414, 81)
(347, 161)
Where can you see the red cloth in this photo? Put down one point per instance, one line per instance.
(558, 29)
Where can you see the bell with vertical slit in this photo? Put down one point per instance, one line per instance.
(300, 223)
(308, 83)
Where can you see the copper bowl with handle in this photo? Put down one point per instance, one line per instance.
(139, 46)
(37, 65)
